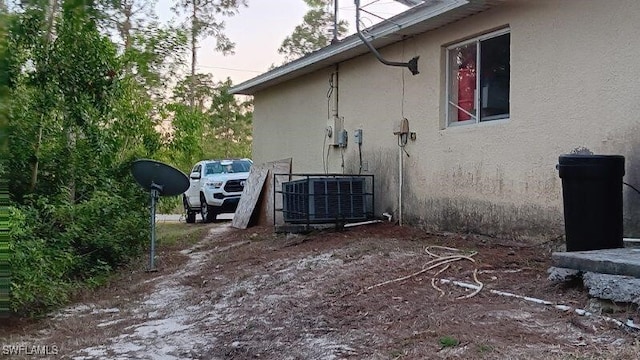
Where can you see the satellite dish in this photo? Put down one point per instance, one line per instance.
(166, 179)
(160, 180)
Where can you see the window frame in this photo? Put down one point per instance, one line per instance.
(477, 41)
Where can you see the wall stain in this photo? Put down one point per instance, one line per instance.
(443, 211)
(630, 198)
(384, 166)
(484, 217)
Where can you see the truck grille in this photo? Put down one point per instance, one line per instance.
(234, 185)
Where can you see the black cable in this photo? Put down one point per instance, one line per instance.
(327, 159)
(329, 93)
(631, 186)
(402, 143)
(324, 145)
(360, 155)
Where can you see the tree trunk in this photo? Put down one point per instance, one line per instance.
(125, 28)
(36, 163)
(71, 148)
(51, 16)
(194, 43)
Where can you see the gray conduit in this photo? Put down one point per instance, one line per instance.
(412, 65)
(629, 324)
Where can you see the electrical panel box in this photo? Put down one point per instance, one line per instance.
(343, 138)
(358, 136)
(333, 128)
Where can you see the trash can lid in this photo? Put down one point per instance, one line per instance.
(594, 165)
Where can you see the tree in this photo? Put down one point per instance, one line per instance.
(128, 17)
(230, 123)
(203, 21)
(4, 90)
(75, 123)
(314, 31)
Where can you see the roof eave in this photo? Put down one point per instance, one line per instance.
(408, 23)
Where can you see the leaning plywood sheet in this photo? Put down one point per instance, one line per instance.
(250, 196)
(266, 206)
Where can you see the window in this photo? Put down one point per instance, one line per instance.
(241, 166)
(213, 168)
(227, 166)
(481, 63)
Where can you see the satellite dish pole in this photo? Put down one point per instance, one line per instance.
(155, 193)
(160, 180)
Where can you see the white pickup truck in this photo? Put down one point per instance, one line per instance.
(215, 188)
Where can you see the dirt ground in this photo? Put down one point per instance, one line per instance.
(253, 294)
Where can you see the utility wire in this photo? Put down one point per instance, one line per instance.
(631, 186)
(231, 69)
(379, 17)
(403, 84)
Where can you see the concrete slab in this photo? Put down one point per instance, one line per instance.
(631, 242)
(617, 288)
(624, 261)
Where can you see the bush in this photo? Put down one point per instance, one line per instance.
(38, 271)
(57, 246)
(105, 232)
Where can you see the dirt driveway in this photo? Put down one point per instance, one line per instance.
(333, 295)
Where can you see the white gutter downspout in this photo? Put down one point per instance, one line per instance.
(402, 133)
(400, 180)
(334, 85)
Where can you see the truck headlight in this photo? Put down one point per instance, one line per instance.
(214, 184)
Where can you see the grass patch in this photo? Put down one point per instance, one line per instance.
(484, 348)
(172, 234)
(448, 341)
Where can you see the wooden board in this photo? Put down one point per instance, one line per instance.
(250, 196)
(266, 205)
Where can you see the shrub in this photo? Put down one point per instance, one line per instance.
(54, 247)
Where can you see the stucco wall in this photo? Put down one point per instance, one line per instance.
(573, 84)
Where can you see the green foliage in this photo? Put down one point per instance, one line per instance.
(37, 270)
(313, 33)
(171, 234)
(99, 245)
(485, 348)
(448, 341)
(56, 245)
(154, 56)
(230, 124)
(218, 126)
(203, 19)
(79, 109)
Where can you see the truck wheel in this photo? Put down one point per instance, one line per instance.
(191, 215)
(207, 211)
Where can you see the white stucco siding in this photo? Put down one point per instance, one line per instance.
(573, 84)
(289, 121)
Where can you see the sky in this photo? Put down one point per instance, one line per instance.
(259, 29)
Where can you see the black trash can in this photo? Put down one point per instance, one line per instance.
(592, 199)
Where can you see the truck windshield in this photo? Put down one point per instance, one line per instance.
(229, 167)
